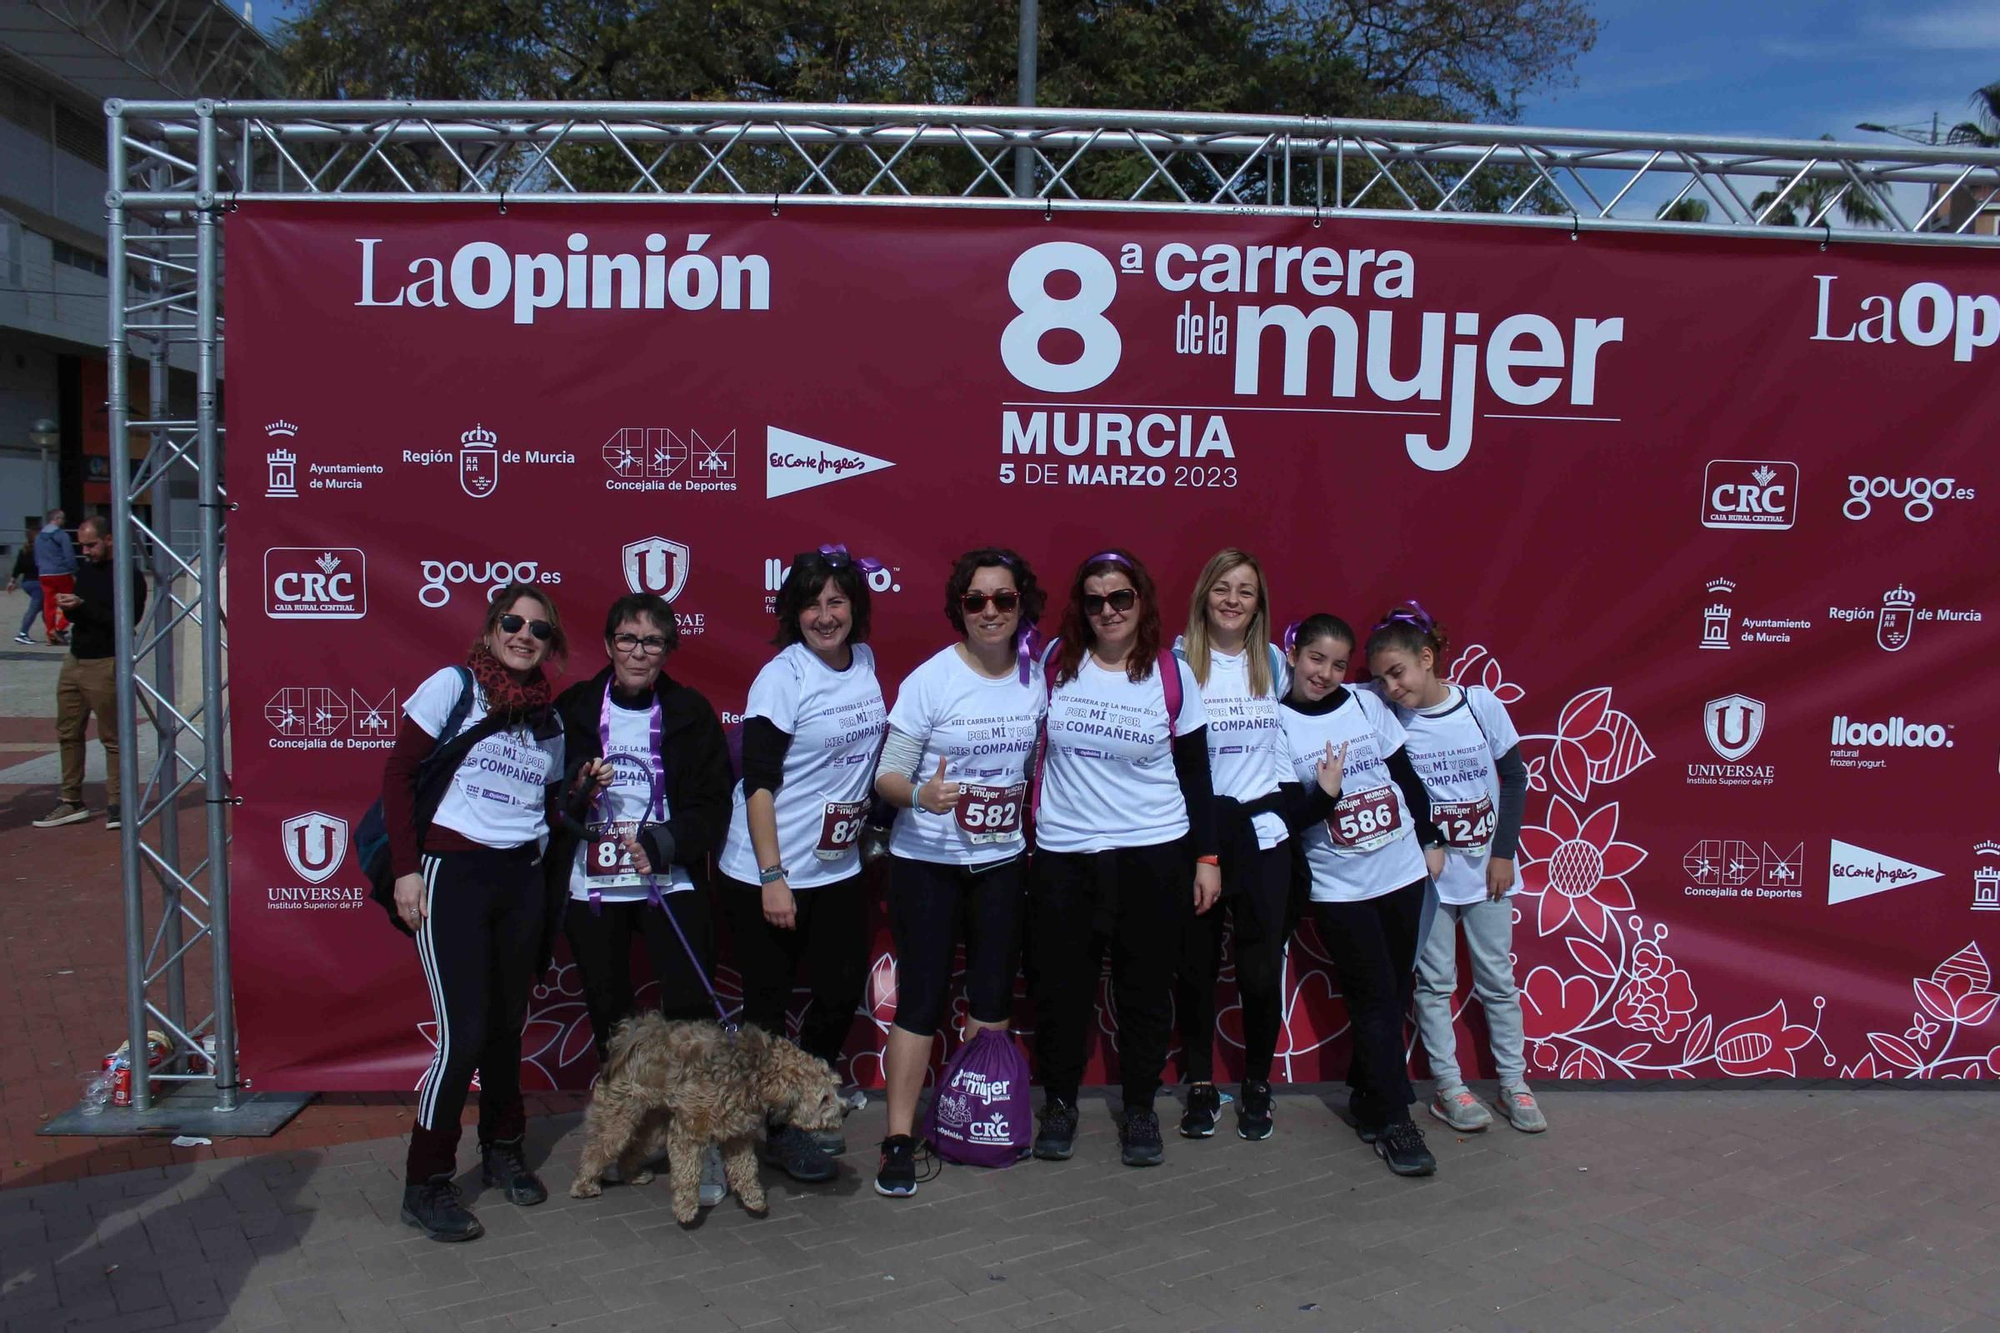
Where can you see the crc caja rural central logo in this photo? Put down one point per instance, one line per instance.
(1750, 493)
(315, 583)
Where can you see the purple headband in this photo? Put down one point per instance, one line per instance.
(1416, 617)
(836, 557)
(1112, 556)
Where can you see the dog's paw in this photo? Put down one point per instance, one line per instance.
(643, 1176)
(687, 1216)
(585, 1189)
(756, 1205)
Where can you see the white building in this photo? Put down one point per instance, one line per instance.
(59, 61)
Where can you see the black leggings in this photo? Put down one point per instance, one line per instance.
(601, 943)
(930, 906)
(1257, 900)
(1134, 901)
(477, 945)
(1373, 945)
(831, 938)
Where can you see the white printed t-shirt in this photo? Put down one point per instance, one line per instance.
(1108, 780)
(1378, 851)
(623, 806)
(1246, 746)
(497, 797)
(836, 721)
(984, 729)
(1453, 747)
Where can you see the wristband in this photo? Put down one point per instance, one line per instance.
(771, 874)
(1208, 860)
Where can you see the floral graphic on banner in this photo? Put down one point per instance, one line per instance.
(1603, 995)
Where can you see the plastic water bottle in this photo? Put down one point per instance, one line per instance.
(96, 1094)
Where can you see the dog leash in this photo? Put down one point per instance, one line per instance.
(721, 1012)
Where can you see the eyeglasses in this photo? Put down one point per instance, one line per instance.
(975, 602)
(541, 629)
(632, 643)
(1122, 600)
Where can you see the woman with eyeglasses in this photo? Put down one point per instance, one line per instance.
(467, 796)
(955, 764)
(791, 864)
(1125, 846)
(653, 754)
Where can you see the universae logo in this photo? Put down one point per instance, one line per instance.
(315, 845)
(657, 565)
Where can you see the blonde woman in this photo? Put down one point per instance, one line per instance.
(1228, 649)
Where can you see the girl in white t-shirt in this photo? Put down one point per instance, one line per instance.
(1369, 883)
(1125, 846)
(1464, 747)
(469, 885)
(1242, 678)
(955, 765)
(791, 862)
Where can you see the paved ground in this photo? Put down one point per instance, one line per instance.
(1683, 1210)
(1670, 1209)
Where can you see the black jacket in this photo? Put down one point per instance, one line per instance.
(93, 629)
(698, 778)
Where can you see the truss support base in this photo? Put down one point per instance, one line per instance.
(190, 1111)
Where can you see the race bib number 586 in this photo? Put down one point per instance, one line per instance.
(1364, 821)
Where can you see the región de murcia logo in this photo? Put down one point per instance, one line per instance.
(478, 459)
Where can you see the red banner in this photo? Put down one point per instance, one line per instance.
(1706, 514)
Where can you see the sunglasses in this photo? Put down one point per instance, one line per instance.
(975, 602)
(541, 629)
(1122, 600)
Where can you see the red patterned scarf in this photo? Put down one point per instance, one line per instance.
(506, 694)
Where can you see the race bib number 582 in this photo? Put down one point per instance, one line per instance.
(990, 814)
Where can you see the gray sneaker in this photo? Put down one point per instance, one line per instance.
(1519, 1107)
(714, 1183)
(68, 812)
(1461, 1110)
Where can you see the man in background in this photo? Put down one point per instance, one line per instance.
(88, 684)
(25, 578)
(55, 564)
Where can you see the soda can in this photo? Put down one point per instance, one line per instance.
(121, 1085)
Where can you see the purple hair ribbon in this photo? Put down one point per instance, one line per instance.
(836, 557)
(1416, 617)
(1291, 636)
(1028, 649)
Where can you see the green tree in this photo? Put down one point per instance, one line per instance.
(1983, 130)
(1808, 200)
(1396, 59)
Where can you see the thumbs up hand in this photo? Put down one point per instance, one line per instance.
(937, 795)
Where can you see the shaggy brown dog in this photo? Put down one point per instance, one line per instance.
(684, 1086)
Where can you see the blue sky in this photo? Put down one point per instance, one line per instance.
(1785, 68)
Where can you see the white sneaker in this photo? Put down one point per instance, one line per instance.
(1518, 1105)
(22, 638)
(1461, 1110)
(714, 1182)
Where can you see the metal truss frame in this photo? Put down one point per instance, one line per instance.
(176, 167)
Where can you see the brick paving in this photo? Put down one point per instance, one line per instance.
(1692, 1209)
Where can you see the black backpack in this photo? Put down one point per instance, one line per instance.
(371, 837)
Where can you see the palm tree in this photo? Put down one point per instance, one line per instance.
(1685, 209)
(1808, 200)
(1983, 130)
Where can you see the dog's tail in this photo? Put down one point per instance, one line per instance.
(624, 1039)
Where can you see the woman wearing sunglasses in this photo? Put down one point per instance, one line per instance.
(1125, 846)
(469, 885)
(955, 764)
(791, 864)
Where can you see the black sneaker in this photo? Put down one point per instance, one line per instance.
(1139, 1138)
(1057, 1137)
(111, 820)
(897, 1176)
(502, 1164)
(434, 1209)
(793, 1151)
(1401, 1145)
(1204, 1103)
(1253, 1111)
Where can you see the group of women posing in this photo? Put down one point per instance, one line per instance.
(1162, 787)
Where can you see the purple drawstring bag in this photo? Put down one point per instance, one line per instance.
(980, 1114)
